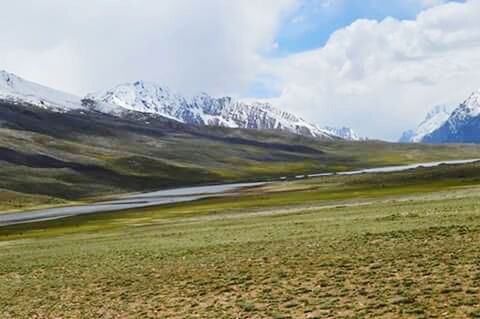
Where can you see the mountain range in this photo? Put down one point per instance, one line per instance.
(148, 100)
(56, 147)
(462, 125)
(434, 119)
(155, 100)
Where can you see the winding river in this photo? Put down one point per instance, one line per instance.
(179, 195)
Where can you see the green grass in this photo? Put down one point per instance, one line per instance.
(338, 247)
(303, 193)
(13, 201)
(142, 161)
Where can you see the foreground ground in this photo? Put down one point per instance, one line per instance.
(403, 245)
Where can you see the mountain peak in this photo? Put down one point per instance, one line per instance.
(463, 124)
(345, 133)
(8, 80)
(140, 96)
(204, 109)
(472, 104)
(18, 90)
(434, 119)
(148, 97)
(14, 89)
(438, 109)
(4, 73)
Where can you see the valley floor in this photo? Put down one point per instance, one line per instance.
(399, 245)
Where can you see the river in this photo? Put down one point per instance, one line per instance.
(179, 195)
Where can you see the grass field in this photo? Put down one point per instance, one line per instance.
(13, 201)
(401, 245)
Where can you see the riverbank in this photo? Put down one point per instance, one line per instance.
(185, 194)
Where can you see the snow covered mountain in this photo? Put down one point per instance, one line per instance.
(149, 98)
(17, 90)
(435, 119)
(205, 110)
(345, 133)
(463, 125)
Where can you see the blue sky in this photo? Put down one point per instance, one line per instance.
(312, 23)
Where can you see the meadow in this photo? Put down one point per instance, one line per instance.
(399, 245)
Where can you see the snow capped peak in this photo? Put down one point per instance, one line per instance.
(140, 96)
(467, 110)
(438, 109)
(10, 82)
(471, 106)
(6, 79)
(204, 109)
(463, 124)
(345, 133)
(434, 120)
(4, 73)
(475, 95)
(149, 97)
(17, 90)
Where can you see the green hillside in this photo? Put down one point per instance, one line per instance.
(56, 158)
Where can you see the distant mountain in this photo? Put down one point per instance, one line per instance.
(206, 110)
(15, 89)
(344, 133)
(434, 120)
(142, 99)
(462, 126)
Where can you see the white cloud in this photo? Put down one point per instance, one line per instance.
(80, 46)
(431, 3)
(381, 77)
(377, 77)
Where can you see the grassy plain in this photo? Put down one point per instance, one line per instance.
(400, 245)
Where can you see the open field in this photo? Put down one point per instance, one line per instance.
(13, 201)
(402, 245)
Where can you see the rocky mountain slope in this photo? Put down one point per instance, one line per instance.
(17, 90)
(462, 126)
(205, 110)
(14, 89)
(434, 119)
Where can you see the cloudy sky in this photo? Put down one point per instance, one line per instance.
(374, 65)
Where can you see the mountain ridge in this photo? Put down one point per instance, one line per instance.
(16, 89)
(463, 125)
(204, 109)
(434, 119)
(150, 98)
(345, 133)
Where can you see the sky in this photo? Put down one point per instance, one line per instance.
(373, 65)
